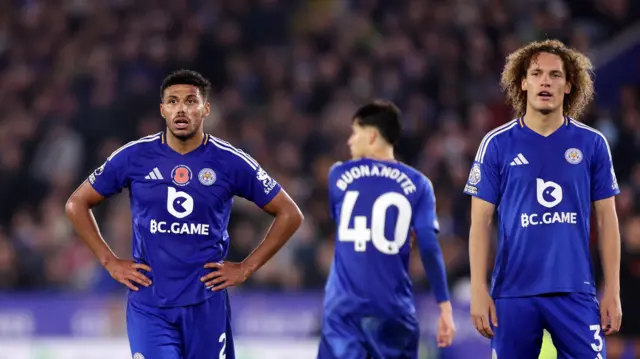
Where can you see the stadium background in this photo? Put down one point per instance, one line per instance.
(79, 78)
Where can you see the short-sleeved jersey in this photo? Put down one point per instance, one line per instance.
(375, 205)
(543, 189)
(180, 208)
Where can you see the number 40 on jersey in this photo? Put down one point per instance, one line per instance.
(360, 233)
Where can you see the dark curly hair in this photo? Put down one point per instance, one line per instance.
(577, 67)
(186, 77)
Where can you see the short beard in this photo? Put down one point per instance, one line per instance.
(183, 138)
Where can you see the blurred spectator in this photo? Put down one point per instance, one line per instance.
(78, 79)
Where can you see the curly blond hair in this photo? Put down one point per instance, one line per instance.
(577, 67)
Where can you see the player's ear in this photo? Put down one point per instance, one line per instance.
(523, 83)
(162, 111)
(567, 88)
(372, 135)
(207, 109)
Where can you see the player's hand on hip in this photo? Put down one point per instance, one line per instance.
(126, 272)
(483, 309)
(610, 312)
(446, 327)
(225, 274)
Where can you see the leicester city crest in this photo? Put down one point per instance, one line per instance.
(573, 156)
(207, 176)
(474, 175)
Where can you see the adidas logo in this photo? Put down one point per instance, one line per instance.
(154, 174)
(519, 160)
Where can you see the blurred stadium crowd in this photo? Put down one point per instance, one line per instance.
(78, 79)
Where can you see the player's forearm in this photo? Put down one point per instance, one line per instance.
(283, 227)
(479, 244)
(480, 241)
(85, 225)
(610, 251)
(433, 263)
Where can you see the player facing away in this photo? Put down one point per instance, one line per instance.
(376, 202)
(181, 187)
(543, 172)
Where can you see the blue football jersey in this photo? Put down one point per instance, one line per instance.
(375, 205)
(180, 209)
(543, 189)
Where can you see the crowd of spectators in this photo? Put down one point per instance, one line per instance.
(78, 79)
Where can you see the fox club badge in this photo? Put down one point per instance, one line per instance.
(475, 175)
(207, 176)
(573, 156)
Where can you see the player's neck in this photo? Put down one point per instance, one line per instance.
(184, 146)
(543, 124)
(383, 154)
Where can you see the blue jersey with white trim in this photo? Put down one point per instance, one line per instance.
(375, 205)
(543, 189)
(180, 208)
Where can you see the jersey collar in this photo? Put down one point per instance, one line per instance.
(521, 121)
(205, 141)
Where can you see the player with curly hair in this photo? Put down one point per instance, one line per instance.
(576, 68)
(543, 172)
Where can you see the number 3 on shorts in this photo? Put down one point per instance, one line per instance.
(223, 351)
(597, 346)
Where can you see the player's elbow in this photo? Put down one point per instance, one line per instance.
(428, 244)
(75, 204)
(285, 210)
(294, 216)
(70, 208)
(481, 213)
(606, 215)
(83, 199)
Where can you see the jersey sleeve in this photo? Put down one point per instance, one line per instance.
(333, 177)
(111, 177)
(603, 176)
(425, 216)
(251, 181)
(484, 177)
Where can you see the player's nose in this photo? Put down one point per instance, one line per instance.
(182, 107)
(546, 80)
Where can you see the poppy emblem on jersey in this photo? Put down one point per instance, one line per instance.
(474, 175)
(181, 175)
(207, 176)
(573, 156)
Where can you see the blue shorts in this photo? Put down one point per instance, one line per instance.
(369, 338)
(199, 331)
(572, 319)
